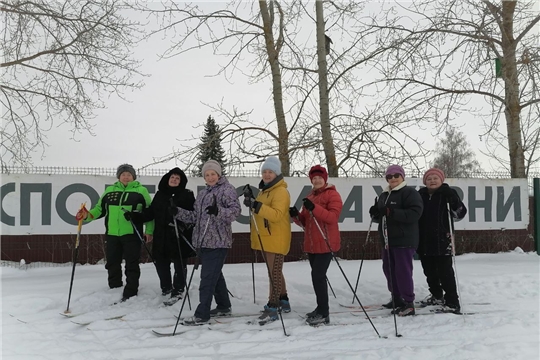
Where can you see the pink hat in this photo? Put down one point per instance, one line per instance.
(434, 171)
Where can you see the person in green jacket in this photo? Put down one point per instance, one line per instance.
(122, 241)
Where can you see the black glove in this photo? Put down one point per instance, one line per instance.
(173, 210)
(256, 206)
(374, 210)
(449, 194)
(308, 204)
(293, 211)
(136, 217)
(248, 192)
(248, 201)
(212, 210)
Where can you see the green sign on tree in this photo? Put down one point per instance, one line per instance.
(498, 68)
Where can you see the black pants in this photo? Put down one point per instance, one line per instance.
(319, 265)
(127, 247)
(440, 277)
(178, 282)
(213, 283)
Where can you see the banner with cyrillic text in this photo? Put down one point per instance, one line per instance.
(46, 204)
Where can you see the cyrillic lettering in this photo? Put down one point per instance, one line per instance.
(46, 201)
(504, 207)
(66, 192)
(479, 204)
(4, 217)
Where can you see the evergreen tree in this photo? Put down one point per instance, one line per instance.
(455, 156)
(210, 147)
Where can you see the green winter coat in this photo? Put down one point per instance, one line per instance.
(113, 202)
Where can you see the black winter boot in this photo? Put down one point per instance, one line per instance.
(398, 302)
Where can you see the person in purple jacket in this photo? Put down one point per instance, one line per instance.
(215, 209)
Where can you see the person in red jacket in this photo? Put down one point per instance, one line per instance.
(324, 202)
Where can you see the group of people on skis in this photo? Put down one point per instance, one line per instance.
(181, 226)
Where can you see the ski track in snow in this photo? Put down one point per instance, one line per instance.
(32, 327)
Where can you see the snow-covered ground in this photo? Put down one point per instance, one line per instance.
(506, 328)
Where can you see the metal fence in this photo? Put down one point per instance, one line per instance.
(95, 171)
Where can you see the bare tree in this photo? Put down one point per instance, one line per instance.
(61, 59)
(238, 28)
(446, 67)
(455, 156)
(323, 49)
(365, 133)
(354, 135)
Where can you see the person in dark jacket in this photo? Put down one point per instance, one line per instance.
(435, 247)
(122, 240)
(167, 247)
(325, 203)
(397, 211)
(216, 208)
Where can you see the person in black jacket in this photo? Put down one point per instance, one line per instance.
(397, 211)
(435, 248)
(167, 247)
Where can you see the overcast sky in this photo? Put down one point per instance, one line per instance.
(169, 107)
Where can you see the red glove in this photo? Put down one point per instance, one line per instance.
(82, 214)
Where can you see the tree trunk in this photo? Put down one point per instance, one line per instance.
(326, 132)
(277, 91)
(511, 88)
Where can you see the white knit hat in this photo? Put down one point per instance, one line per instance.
(211, 165)
(272, 163)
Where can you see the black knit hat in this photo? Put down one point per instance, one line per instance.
(125, 168)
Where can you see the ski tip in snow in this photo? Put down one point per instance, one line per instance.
(160, 334)
(68, 314)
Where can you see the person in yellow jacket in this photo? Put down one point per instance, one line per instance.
(271, 212)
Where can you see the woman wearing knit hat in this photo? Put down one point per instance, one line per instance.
(271, 213)
(216, 208)
(435, 249)
(397, 211)
(324, 202)
(122, 241)
(170, 244)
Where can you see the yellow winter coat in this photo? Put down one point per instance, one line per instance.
(273, 218)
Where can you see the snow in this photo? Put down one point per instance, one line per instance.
(507, 328)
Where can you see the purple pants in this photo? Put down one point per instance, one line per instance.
(401, 262)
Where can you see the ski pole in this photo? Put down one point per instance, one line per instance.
(327, 281)
(453, 242)
(343, 273)
(267, 267)
(331, 289)
(253, 273)
(363, 255)
(196, 266)
(248, 193)
(387, 248)
(140, 238)
(184, 270)
(75, 257)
